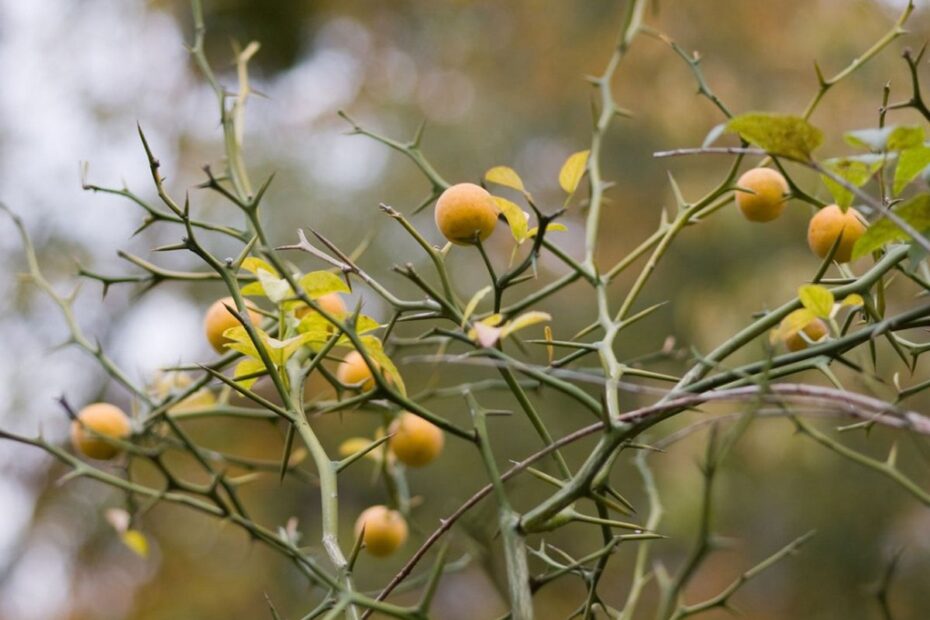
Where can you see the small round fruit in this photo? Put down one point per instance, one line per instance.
(827, 225)
(353, 370)
(415, 441)
(385, 530)
(332, 303)
(815, 330)
(99, 419)
(464, 210)
(218, 319)
(765, 195)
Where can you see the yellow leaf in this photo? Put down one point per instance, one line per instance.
(550, 350)
(253, 264)
(473, 303)
(318, 283)
(354, 445)
(516, 217)
(375, 350)
(792, 324)
(854, 300)
(816, 298)
(532, 232)
(137, 542)
(502, 175)
(245, 368)
(524, 320)
(572, 171)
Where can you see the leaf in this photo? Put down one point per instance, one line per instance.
(375, 349)
(523, 321)
(911, 163)
(532, 232)
(318, 283)
(137, 542)
(253, 264)
(816, 298)
(777, 134)
(854, 170)
(245, 368)
(276, 289)
(473, 303)
(354, 445)
(915, 212)
(515, 216)
(853, 299)
(503, 175)
(572, 171)
(791, 324)
(890, 138)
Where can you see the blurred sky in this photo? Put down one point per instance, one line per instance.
(498, 83)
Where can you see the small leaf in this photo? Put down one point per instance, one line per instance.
(137, 542)
(791, 324)
(890, 138)
(515, 216)
(853, 300)
(503, 175)
(550, 350)
(276, 289)
(245, 368)
(473, 303)
(572, 171)
(524, 320)
(318, 283)
(253, 264)
(713, 134)
(911, 162)
(915, 212)
(354, 445)
(854, 170)
(375, 349)
(777, 134)
(532, 232)
(816, 298)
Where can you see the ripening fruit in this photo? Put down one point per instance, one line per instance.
(415, 441)
(218, 319)
(815, 330)
(765, 197)
(463, 210)
(103, 419)
(353, 370)
(827, 225)
(385, 530)
(331, 303)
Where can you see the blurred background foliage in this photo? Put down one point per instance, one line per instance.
(497, 83)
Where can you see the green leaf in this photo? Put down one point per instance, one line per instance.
(502, 175)
(778, 134)
(915, 212)
(516, 218)
(572, 171)
(816, 298)
(318, 283)
(911, 163)
(890, 138)
(854, 170)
